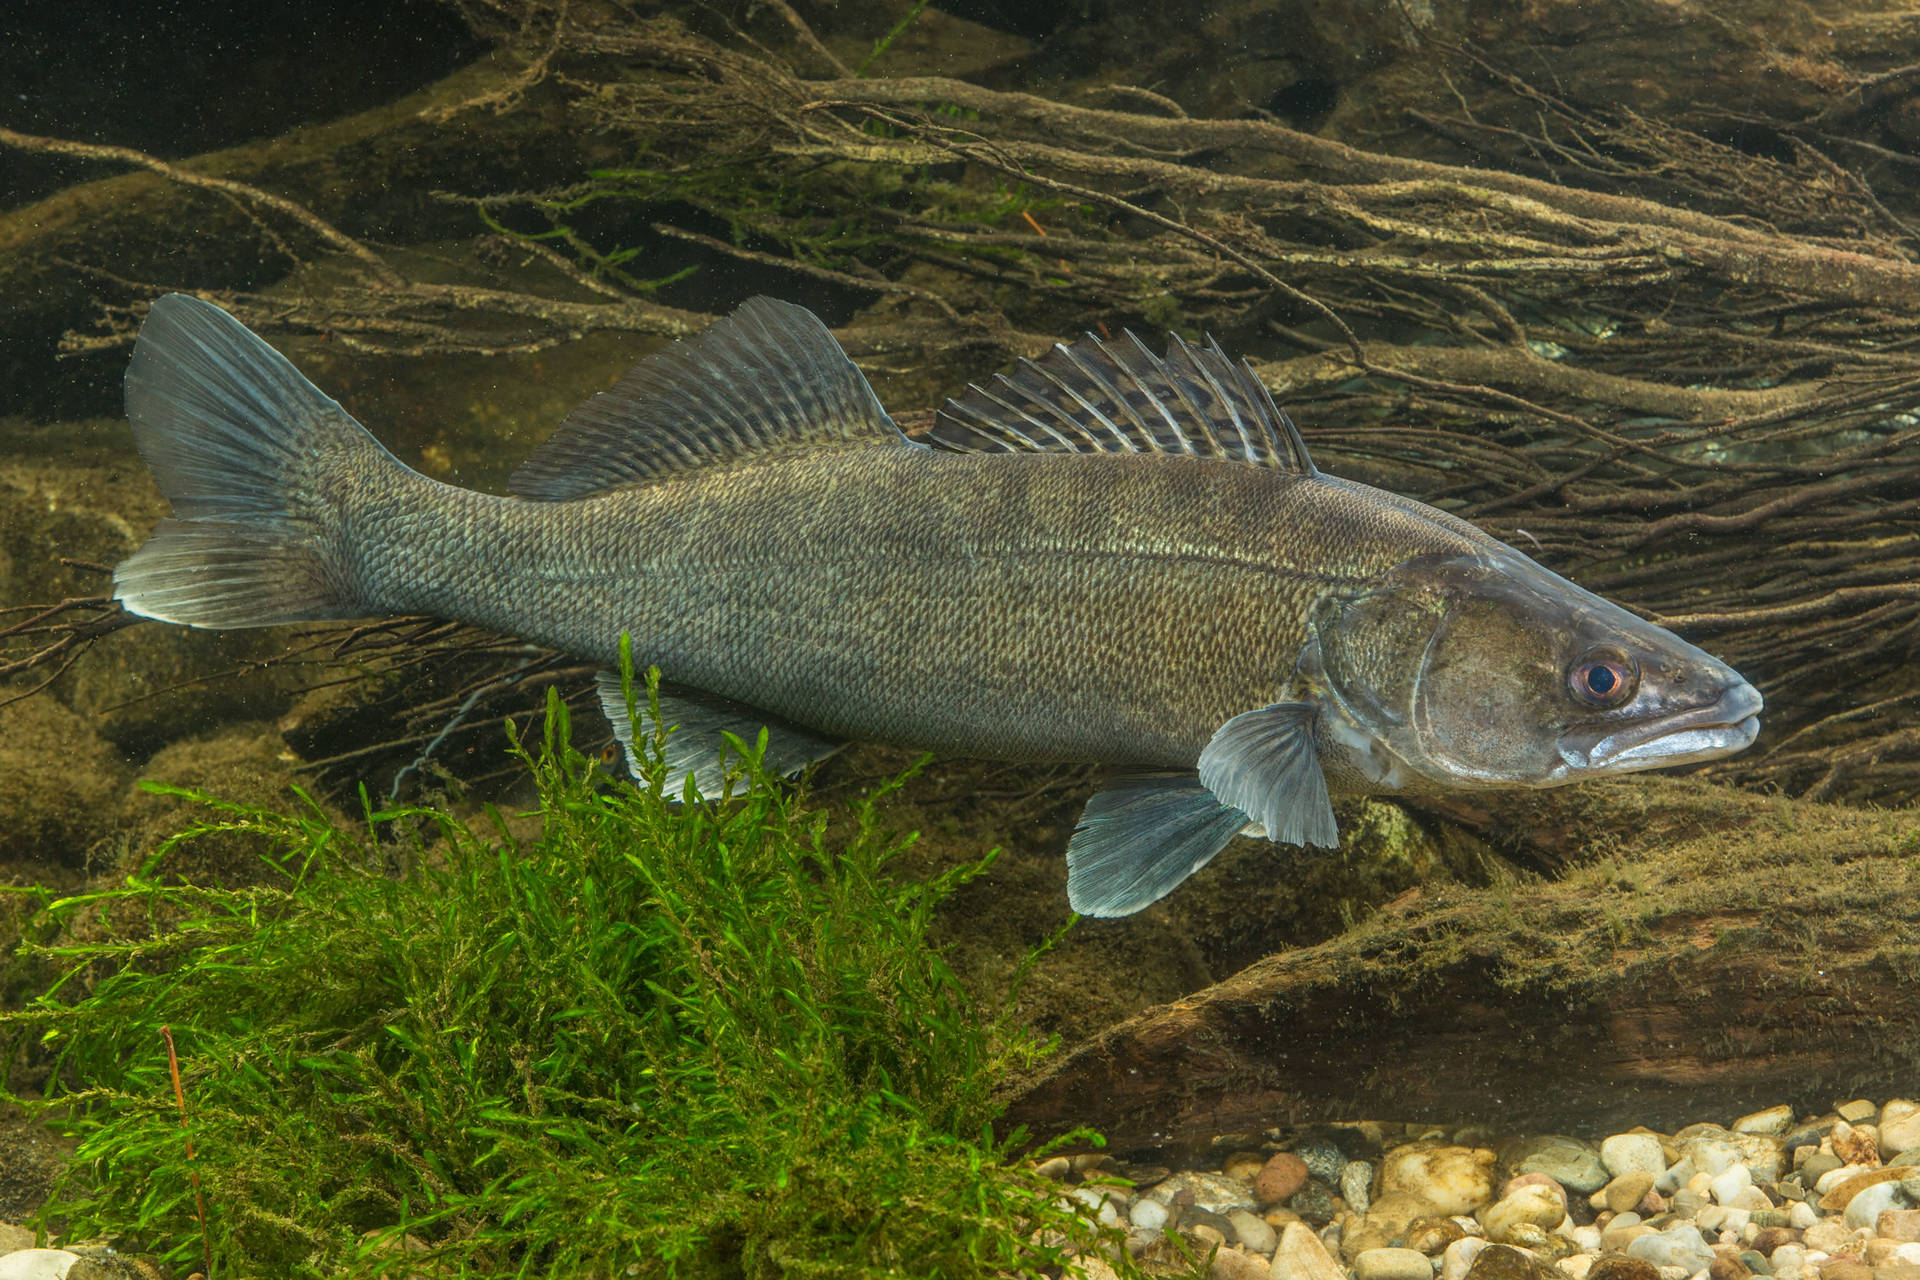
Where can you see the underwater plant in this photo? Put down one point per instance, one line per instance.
(646, 1039)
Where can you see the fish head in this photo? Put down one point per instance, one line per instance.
(1484, 669)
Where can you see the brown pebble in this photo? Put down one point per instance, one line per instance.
(1839, 1195)
(1280, 1178)
(1845, 1269)
(1617, 1267)
(1627, 1190)
(1771, 1238)
(1243, 1165)
(1855, 1146)
(1431, 1236)
(1726, 1265)
(1899, 1224)
(1654, 1203)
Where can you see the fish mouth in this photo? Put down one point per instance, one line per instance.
(1707, 733)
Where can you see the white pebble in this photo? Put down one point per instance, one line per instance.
(37, 1264)
(1788, 1261)
(1255, 1233)
(1908, 1252)
(1731, 1183)
(1801, 1216)
(1864, 1209)
(1672, 1179)
(1458, 1259)
(1633, 1153)
(1149, 1215)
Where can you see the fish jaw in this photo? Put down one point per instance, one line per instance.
(1729, 724)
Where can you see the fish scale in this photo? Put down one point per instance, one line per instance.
(1111, 558)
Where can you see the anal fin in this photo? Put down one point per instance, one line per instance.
(697, 746)
(1141, 835)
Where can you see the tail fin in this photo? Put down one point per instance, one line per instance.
(243, 446)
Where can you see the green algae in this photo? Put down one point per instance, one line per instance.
(627, 1037)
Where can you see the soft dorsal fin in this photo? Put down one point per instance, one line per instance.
(767, 379)
(1118, 397)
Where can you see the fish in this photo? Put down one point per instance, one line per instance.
(1105, 556)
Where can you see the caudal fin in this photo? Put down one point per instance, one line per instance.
(249, 453)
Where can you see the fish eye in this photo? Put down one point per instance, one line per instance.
(1604, 677)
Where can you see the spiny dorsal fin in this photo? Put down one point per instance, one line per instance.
(767, 379)
(1118, 397)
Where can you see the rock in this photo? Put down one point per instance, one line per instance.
(1573, 1164)
(1773, 1122)
(1459, 1257)
(1727, 1266)
(1829, 1235)
(1864, 1210)
(1713, 1150)
(1539, 1206)
(1789, 1261)
(1504, 1262)
(1856, 1111)
(1770, 1238)
(1841, 1192)
(13, 1239)
(1899, 1224)
(1755, 1201)
(1431, 1236)
(1577, 1266)
(1301, 1256)
(1855, 1145)
(1622, 1231)
(1356, 1185)
(1055, 1168)
(1148, 1214)
(1205, 1236)
(1819, 1165)
(1730, 1183)
(1899, 1125)
(1392, 1264)
(37, 1264)
(1633, 1153)
(1756, 1262)
(1845, 1269)
(1214, 1192)
(1191, 1220)
(1450, 1179)
(1802, 1216)
(1323, 1159)
(1314, 1202)
(1231, 1264)
(1626, 1191)
(1280, 1178)
(1255, 1233)
(1616, 1267)
(1680, 1245)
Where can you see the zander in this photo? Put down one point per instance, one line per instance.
(1106, 556)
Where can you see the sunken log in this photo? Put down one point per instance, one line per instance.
(1715, 952)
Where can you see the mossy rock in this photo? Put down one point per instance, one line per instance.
(63, 787)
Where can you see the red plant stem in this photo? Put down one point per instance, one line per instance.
(199, 1201)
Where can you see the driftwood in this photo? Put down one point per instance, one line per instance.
(1735, 952)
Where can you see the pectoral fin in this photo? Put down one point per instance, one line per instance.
(1264, 763)
(1139, 837)
(698, 747)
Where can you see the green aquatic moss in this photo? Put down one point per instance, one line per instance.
(650, 1040)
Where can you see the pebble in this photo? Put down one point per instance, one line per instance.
(1280, 1178)
(1244, 1165)
(1323, 1159)
(1356, 1185)
(1773, 1122)
(1857, 1110)
(1899, 1224)
(1725, 1186)
(1451, 1179)
(1573, 1164)
(37, 1264)
(1864, 1209)
(1147, 1214)
(1624, 1192)
(1301, 1256)
(1680, 1245)
(1459, 1257)
(1256, 1234)
(1855, 1145)
(1622, 1268)
(1900, 1125)
(1539, 1206)
(1232, 1264)
(1633, 1153)
(1392, 1264)
(1214, 1192)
